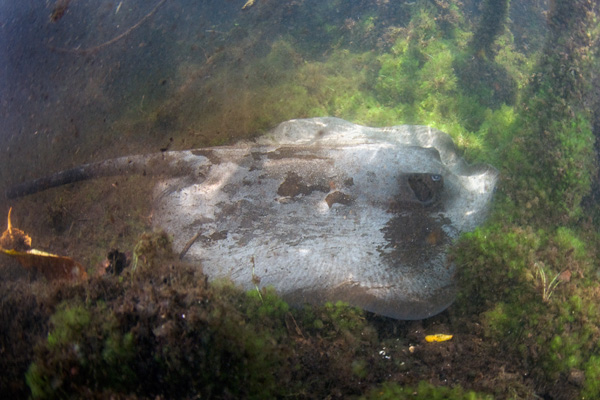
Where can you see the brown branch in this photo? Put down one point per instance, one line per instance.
(94, 49)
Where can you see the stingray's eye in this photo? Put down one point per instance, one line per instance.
(427, 188)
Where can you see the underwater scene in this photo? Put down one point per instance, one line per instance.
(304, 199)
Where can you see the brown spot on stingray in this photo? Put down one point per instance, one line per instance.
(293, 186)
(286, 153)
(209, 154)
(338, 197)
(413, 238)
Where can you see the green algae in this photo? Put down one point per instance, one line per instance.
(151, 249)
(194, 343)
(490, 26)
(84, 348)
(176, 338)
(424, 391)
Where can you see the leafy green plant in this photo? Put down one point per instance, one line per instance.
(546, 284)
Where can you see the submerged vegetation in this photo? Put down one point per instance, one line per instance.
(526, 322)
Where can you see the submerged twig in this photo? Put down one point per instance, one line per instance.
(94, 49)
(188, 245)
(59, 10)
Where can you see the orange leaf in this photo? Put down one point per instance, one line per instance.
(15, 243)
(14, 238)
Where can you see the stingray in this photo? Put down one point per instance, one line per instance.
(321, 209)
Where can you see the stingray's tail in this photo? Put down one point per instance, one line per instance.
(170, 163)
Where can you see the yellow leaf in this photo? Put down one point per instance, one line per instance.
(438, 337)
(248, 4)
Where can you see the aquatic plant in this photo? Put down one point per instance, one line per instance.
(492, 23)
(554, 127)
(547, 286)
(178, 337)
(83, 349)
(591, 375)
(423, 390)
(151, 249)
(504, 277)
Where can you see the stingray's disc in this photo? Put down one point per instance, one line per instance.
(323, 209)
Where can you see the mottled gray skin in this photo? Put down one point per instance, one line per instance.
(321, 209)
(326, 210)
